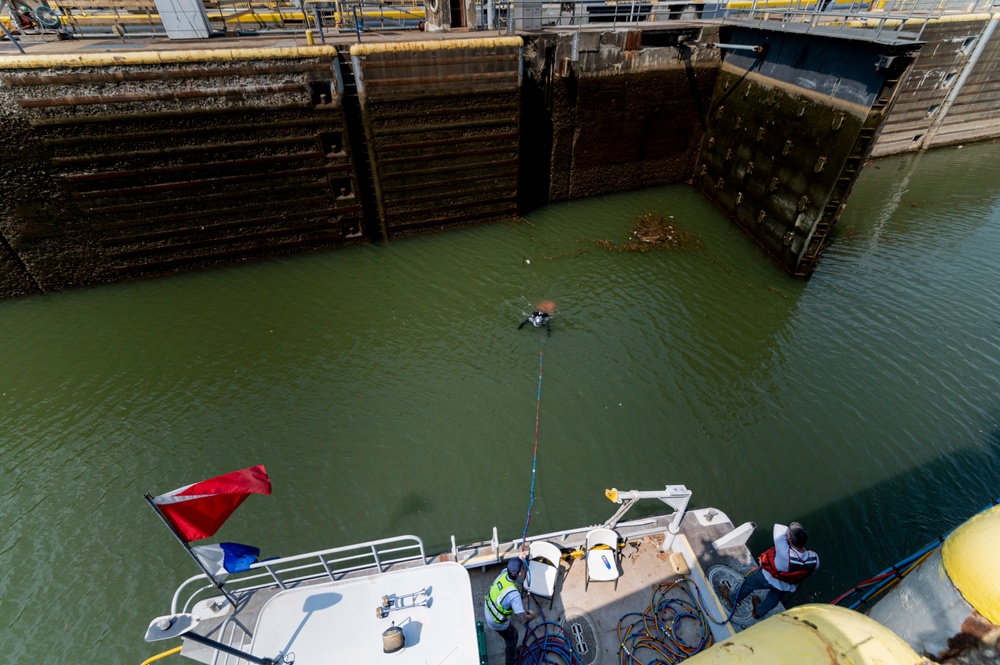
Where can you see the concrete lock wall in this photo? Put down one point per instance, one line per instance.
(442, 124)
(133, 164)
(792, 121)
(950, 94)
(625, 109)
(142, 164)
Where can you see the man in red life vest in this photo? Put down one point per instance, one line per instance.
(781, 569)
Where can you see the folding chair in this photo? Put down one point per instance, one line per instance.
(543, 569)
(602, 557)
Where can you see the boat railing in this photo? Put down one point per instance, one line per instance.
(338, 16)
(484, 553)
(333, 564)
(883, 21)
(233, 634)
(487, 552)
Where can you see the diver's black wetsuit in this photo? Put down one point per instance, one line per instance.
(538, 319)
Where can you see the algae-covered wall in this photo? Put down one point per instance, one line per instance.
(792, 120)
(627, 110)
(133, 164)
(442, 123)
(138, 164)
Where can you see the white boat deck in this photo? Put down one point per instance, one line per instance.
(591, 615)
(337, 622)
(336, 618)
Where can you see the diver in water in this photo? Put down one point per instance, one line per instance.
(538, 319)
(541, 316)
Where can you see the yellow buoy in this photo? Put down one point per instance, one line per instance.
(812, 635)
(970, 559)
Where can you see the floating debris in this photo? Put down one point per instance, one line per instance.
(653, 232)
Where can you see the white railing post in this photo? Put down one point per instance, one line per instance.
(326, 567)
(377, 554)
(274, 576)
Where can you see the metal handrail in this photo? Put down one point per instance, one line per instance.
(469, 555)
(888, 18)
(883, 19)
(362, 15)
(282, 573)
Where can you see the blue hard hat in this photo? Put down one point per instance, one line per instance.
(514, 567)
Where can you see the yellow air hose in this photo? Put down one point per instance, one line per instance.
(158, 656)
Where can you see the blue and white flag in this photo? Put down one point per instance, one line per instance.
(225, 558)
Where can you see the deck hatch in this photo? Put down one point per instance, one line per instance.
(582, 636)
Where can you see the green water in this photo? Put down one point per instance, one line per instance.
(387, 391)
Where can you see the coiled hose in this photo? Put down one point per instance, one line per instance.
(658, 628)
(545, 642)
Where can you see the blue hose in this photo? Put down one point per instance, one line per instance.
(658, 629)
(899, 568)
(889, 581)
(552, 642)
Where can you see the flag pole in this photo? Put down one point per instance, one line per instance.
(218, 585)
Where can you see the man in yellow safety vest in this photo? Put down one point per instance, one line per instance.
(503, 602)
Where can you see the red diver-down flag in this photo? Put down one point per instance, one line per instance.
(197, 511)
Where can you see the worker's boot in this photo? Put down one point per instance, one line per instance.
(724, 592)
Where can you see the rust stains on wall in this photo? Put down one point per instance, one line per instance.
(442, 124)
(129, 170)
(788, 135)
(624, 118)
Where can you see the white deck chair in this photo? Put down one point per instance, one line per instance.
(602, 557)
(543, 568)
